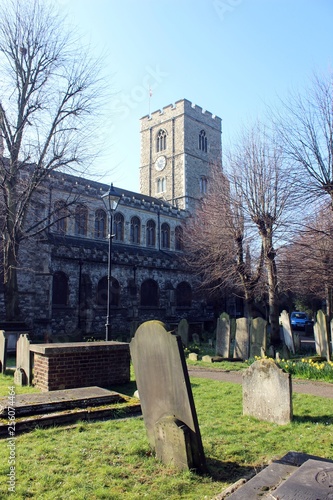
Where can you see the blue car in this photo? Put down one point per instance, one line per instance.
(299, 320)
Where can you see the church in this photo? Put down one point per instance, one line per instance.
(63, 274)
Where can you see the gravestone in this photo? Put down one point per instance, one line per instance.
(183, 331)
(241, 348)
(223, 336)
(3, 351)
(23, 358)
(166, 396)
(193, 356)
(267, 393)
(196, 338)
(258, 336)
(207, 359)
(287, 331)
(19, 377)
(321, 336)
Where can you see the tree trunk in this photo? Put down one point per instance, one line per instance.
(273, 305)
(11, 294)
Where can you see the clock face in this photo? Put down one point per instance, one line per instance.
(160, 163)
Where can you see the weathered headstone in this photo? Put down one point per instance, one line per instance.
(193, 356)
(19, 377)
(267, 393)
(258, 336)
(3, 352)
(207, 359)
(196, 338)
(287, 331)
(321, 336)
(183, 331)
(241, 349)
(223, 336)
(23, 358)
(166, 396)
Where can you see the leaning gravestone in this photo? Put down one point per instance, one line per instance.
(241, 348)
(267, 393)
(258, 336)
(3, 352)
(166, 397)
(183, 331)
(321, 336)
(23, 359)
(287, 331)
(223, 336)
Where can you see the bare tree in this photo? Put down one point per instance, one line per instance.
(50, 92)
(305, 125)
(257, 169)
(218, 243)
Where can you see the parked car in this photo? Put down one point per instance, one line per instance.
(300, 320)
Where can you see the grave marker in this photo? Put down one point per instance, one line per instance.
(223, 336)
(258, 336)
(3, 351)
(287, 331)
(183, 331)
(241, 349)
(321, 336)
(23, 359)
(166, 396)
(267, 392)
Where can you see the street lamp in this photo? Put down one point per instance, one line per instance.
(110, 200)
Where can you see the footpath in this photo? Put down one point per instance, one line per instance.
(322, 389)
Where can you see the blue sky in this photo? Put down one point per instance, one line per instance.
(231, 57)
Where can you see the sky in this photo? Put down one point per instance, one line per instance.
(231, 57)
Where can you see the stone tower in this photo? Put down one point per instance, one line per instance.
(179, 145)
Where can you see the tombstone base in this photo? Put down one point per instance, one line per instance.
(173, 443)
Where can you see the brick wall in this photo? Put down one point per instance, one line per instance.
(78, 364)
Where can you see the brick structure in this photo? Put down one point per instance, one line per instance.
(80, 364)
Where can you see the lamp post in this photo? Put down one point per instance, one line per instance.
(110, 200)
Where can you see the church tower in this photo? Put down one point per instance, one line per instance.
(179, 146)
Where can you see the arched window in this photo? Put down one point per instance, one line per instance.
(179, 238)
(165, 235)
(102, 292)
(60, 290)
(203, 141)
(81, 220)
(118, 229)
(135, 230)
(161, 185)
(161, 140)
(203, 185)
(149, 294)
(60, 216)
(151, 233)
(100, 223)
(183, 295)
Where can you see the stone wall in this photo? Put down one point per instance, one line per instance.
(66, 366)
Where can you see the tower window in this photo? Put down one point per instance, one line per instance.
(179, 238)
(119, 227)
(161, 185)
(203, 185)
(161, 141)
(203, 141)
(81, 220)
(60, 216)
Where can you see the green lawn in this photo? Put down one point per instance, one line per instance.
(112, 459)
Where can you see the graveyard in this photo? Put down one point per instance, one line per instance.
(197, 438)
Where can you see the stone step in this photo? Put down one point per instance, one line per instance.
(29, 411)
(46, 402)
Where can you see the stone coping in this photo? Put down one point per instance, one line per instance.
(69, 347)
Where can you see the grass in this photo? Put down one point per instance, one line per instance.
(112, 460)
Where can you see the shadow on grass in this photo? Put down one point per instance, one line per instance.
(228, 471)
(304, 419)
(127, 389)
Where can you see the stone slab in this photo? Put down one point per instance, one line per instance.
(265, 484)
(223, 336)
(312, 481)
(33, 404)
(173, 443)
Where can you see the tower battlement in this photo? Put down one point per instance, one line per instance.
(177, 109)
